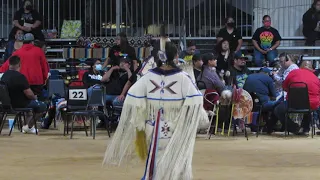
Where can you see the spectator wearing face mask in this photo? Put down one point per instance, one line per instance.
(187, 55)
(94, 75)
(311, 24)
(266, 40)
(14, 45)
(28, 20)
(232, 35)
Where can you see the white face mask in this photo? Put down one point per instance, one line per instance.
(98, 67)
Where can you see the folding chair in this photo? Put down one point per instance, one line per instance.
(6, 108)
(97, 99)
(56, 86)
(79, 102)
(211, 99)
(113, 114)
(298, 102)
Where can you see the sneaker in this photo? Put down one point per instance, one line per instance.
(33, 130)
(302, 132)
(26, 129)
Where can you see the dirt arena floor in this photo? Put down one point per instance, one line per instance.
(50, 156)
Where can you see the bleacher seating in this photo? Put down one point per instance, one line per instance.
(57, 49)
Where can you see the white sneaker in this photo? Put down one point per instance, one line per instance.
(26, 129)
(33, 130)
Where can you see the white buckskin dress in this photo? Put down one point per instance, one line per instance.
(168, 107)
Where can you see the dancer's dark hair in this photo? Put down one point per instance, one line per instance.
(171, 53)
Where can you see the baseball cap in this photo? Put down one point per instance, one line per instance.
(125, 59)
(208, 56)
(28, 37)
(241, 56)
(196, 57)
(265, 70)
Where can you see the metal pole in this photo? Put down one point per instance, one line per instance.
(118, 11)
(2, 19)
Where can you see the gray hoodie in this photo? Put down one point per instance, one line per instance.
(211, 79)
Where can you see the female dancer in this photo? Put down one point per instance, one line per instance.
(170, 101)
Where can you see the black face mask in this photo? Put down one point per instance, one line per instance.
(29, 7)
(231, 25)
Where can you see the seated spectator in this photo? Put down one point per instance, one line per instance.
(225, 56)
(135, 76)
(133, 79)
(115, 80)
(117, 51)
(311, 24)
(209, 75)
(287, 65)
(266, 40)
(313, 83)
(34, 65)
(197, 65)
(14, 45)
(94, 75)
(28, 20)
(262, 84)
(20, 93)
(187, 55)
(239, 71)
(306, 64)
(232, 35)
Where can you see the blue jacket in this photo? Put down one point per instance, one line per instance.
(262, 85)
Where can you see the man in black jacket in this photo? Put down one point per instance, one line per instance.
(311, 24)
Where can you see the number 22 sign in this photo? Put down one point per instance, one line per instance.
(77, 94)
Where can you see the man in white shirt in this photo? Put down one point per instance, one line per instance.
(287, 65)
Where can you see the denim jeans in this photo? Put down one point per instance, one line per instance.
(37, 106)
(109, 98)
(259, 57)
(269, 106)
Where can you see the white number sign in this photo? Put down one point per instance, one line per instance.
(77, 94)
